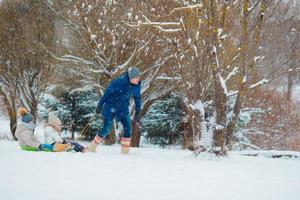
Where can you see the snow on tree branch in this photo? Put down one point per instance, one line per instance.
(125, 64)
(169, 30)
(261, 82)
(198, 106)
(140, 23)
(76, 60)
(168, 78)
(232, 73)
(223, 84)
(200, 5)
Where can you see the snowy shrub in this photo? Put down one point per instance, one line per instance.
(162, 123)
(75, 108)
(278, 126)
(241, 141)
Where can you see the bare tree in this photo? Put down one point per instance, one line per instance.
(35, 63)
(220, 46)
(11, 42)
(25, 65)
(107, 47)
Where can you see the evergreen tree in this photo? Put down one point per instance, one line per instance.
(75, 108)
(162, 123)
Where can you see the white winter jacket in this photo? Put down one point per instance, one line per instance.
(51, 135)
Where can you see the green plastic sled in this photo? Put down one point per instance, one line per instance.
(29, 148)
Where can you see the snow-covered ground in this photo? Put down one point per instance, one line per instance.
(147, 173)
(4, 127)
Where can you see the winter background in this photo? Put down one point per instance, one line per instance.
(196, 59)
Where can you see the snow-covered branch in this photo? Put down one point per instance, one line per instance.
(232, 73)
(223, 84)
(259, 83)
(200, 5)
(76, 59)
(168, 30)
(168, 78)
(125, 64)
(198, 106)
(158, 25)
(140, 23)
(254, 6)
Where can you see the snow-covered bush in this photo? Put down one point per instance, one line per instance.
(162, 123)
(278, 126)
(75, 108)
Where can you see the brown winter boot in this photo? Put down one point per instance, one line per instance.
(60, 147)
(95, 142)
(125, 144)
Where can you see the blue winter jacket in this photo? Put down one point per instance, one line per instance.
(115, 99)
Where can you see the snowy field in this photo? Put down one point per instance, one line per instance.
(147, 173)
(4, 128)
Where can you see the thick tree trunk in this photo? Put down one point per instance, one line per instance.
(111, 138)
(135, 137)
(219, 96)
(232, 123)
(10, 106)
(187, 136)
(191, 127)
(13, 123)
(135, 134)
(219, 132)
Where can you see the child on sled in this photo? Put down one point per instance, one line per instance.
(52, 134)
(26, 139)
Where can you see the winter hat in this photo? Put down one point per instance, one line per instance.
(27, 118)
(53, 120)
(22, 111)
(133, 73)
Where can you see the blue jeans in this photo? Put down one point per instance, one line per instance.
(126, 123)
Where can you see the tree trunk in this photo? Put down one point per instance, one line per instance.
(219, 132)
(190, 130)
(73, 107)
(135, 137)
(111, 138)
(11, 110)
(13, 123)
(290, 85)
(34, 109)
(220, 96)
(187, 136)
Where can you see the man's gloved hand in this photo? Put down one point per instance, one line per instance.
(45, 147)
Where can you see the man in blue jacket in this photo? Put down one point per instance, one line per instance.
(115, 103)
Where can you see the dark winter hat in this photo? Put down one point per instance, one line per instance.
(27, 118)
(133, 73)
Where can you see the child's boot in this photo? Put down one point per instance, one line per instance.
(60, 147)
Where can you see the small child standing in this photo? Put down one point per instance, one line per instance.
(52, 134)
